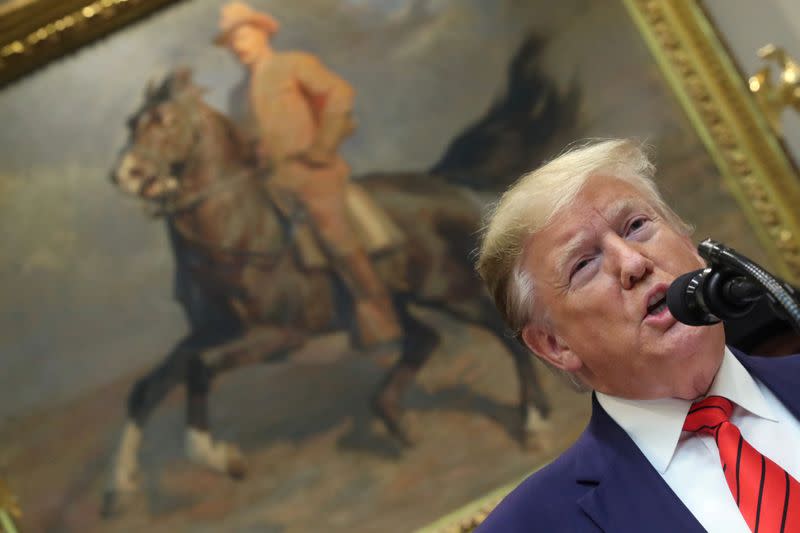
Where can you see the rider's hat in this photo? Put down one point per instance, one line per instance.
(236, 14)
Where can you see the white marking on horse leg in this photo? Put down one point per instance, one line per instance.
(219, 456)
(538, 427)
(126, 463)
(534, 420)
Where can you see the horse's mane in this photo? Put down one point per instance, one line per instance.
(179, 82)
(244, 148)
(153, 96)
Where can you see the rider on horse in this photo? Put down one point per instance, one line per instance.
(303, 113)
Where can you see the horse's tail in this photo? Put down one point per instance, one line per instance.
(518, 131)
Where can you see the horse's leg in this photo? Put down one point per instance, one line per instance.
(145, 396)
(200, 447)
(533, 404)
(419, 341)
(534, 408)
(257, 345)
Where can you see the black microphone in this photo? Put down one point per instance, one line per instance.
(706, 296)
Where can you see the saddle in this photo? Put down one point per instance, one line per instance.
(375, 231)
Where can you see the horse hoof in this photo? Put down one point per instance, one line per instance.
(529, 442)
(219, 456)
(114, 503)
(235, 466)
(390, 416)
(537, 432)
(539, 442)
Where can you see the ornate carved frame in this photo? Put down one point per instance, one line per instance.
(752, 160)
(687, 48)
(33, 32)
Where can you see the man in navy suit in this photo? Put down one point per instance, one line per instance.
(685, 434)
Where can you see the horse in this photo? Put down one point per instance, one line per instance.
(247, 296)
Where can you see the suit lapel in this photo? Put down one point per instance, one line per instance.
(625, 492)
(780, 374)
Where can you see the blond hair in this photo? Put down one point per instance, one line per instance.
(530, 203)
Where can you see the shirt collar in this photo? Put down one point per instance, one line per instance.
(655, 425)
(735, 383)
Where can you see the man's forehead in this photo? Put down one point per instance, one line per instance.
(579, 221)
(603, 192)
(584, 216)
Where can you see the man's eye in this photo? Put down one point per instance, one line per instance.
(580, 265)
(637, 224)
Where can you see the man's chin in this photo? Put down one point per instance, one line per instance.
(683, 341)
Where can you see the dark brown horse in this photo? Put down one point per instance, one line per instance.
(246, 295)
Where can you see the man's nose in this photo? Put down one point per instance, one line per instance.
(632, 264)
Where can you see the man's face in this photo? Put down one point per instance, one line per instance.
(601, 269)
(248, 43)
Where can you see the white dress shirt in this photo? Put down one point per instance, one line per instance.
(690, 463)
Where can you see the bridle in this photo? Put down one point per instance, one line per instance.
(171, 208)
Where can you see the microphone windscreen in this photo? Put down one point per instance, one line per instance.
(681, 300)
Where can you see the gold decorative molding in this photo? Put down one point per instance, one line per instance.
(464, 524)
(33, 32)
(468, 518)
(9, 509)
(783, 92)
(715, 96)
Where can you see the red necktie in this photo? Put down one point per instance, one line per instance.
(767, 496)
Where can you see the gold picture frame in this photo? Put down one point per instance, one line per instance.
(33, 32)
(751, 159)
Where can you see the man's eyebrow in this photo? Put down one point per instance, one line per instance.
(576, 243)
(624, 206)
(572, 246)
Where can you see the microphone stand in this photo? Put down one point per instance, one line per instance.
(781, 295)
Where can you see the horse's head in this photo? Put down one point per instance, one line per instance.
(163, 135)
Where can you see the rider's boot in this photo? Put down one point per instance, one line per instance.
(376, 319)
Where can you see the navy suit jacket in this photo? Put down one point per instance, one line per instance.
(605, 483)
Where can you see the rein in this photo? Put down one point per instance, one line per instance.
(268, 260)
(167, 208)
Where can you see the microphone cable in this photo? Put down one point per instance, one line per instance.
(781, 295)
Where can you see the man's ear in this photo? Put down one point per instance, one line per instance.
(547, 345)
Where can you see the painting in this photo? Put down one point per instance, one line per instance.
(237, 253)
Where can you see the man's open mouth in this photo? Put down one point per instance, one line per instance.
(657, 303)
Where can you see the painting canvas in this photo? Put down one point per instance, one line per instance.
(149, 265)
